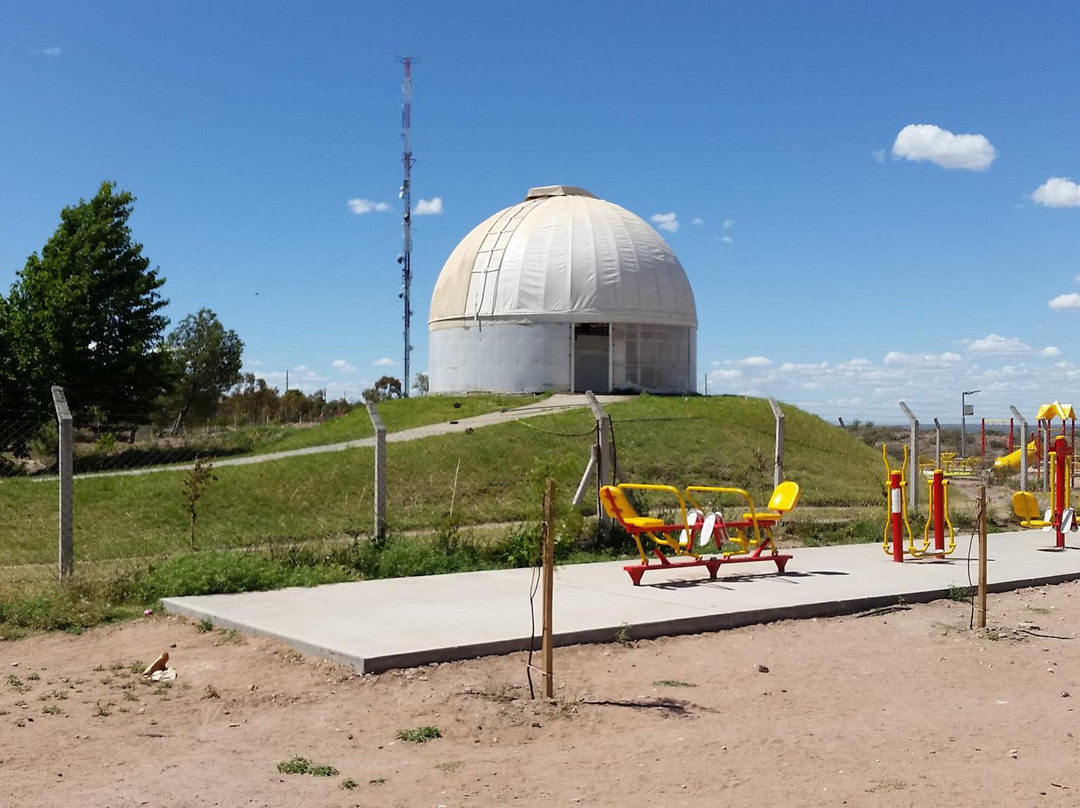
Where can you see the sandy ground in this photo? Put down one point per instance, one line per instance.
(901, 708)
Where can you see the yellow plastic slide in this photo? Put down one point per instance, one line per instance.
(1012, 459)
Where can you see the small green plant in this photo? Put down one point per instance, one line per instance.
(623, 636)
(419, 734)
(296, 765)
(299, 765)
(378, 781)
(959, 594)
(196, 481)
(211, 692)
(450, 766)
(672, 683)
(105, 445)
(137, 666)
(103, 709)
(50, 709)
(33, 676)
(204, 626)
(348, 784)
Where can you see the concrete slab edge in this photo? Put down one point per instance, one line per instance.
(699, 624)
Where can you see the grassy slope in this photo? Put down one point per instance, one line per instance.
(717, 440)
(396, 415)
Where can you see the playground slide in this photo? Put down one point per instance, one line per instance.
(1012, 460)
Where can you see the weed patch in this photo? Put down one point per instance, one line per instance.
(419, 734)
(299, 765)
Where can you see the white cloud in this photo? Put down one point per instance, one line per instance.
(995, 345)
(727, 239)
(666, 221)
(921, 360)
(878, 155)
(855, 364)
(429, 207)
(1069, 302)
(1057, 192)
(729, 223)
(342, 366)
(1050, 350)
(53, 51)
(754, 362)
(725, 375)
(385, 362)
(919, 142)
(362, 206)
(697, 222)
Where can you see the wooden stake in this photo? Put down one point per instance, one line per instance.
(549, 587)
(982, 557)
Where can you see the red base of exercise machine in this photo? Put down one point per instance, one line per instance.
(711, 564)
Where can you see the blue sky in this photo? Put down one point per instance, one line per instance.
(872, 201)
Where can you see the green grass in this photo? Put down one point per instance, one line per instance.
(299, 765)
(419, 734)
(305, 520)
(223, 442)
(503, 468)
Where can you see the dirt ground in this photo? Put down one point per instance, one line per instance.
(903, 708)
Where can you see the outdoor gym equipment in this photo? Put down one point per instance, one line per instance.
(679, 539)
(1060, 516)
(897, 526)
(784, 499)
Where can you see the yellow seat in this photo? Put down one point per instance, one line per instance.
(784, 498)
(1026, 508)
(618, 507)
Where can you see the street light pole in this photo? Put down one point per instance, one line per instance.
(965, 410)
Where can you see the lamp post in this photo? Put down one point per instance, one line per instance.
(965, 410)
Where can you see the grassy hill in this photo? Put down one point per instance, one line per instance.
(500, 472)
(316, 509)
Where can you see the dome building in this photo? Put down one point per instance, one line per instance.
(562, 292)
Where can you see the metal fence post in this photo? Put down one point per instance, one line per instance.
(937, 444)
(66, 460)
(778, 455)
(1023, 446)
(380, 469)
(603, 465)
(913, 488)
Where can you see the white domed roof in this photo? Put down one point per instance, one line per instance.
(563, 255)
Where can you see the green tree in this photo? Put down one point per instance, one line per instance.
(85, 314)
(207, 361)
(421, 385)
(17, 421)
(385, 388)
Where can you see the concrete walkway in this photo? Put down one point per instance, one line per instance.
(378, 625)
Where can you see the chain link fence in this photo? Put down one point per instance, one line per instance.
(464, 481)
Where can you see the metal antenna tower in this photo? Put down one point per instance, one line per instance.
(405, 259)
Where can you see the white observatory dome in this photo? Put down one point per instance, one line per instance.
(563, 291)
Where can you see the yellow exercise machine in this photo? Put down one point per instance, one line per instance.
(897, 525)
(678, 538)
